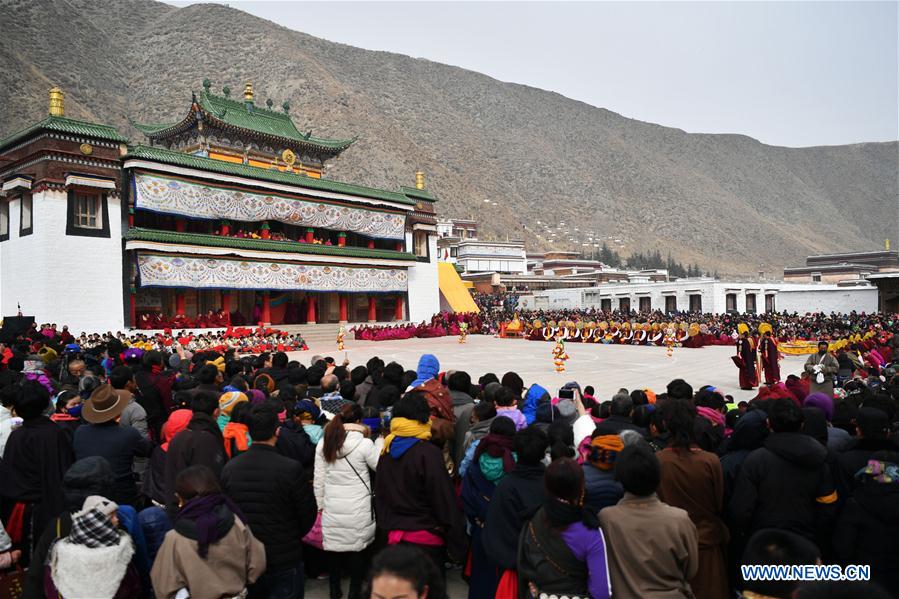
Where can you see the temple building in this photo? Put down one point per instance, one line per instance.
(222, 216)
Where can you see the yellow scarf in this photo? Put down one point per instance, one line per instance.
(404, 427)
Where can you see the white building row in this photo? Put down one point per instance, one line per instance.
(709, 296)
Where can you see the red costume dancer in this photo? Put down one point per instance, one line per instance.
(770, 355)
(745, 359)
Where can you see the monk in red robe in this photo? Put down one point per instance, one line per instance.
(770, 355)
(745, 359)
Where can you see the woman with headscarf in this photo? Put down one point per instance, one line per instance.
(342, 483)
(211, 552)
(493, 458)
(562, 551)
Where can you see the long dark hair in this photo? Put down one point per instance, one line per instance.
(678, 416)
(411, 564)
(335, 434)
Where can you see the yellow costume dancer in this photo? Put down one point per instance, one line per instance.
(341, 333)
(559, 355)
(463, 331)
(670, 341)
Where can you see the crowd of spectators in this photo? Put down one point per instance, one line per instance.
(223, 476)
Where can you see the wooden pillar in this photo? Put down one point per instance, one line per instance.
(180, 225)
(225, 229)
(341, 240)
(310, 235)
(226, 302)
(310, 309)
(372, 309)
(180, 303)
(132, 309)
(371, 244)
(266, 308)
(399, 313)
(343, 308)
(400, 246)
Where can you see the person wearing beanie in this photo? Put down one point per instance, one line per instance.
(227, 401)
(837, 438)
(601, 488)
(94, 544)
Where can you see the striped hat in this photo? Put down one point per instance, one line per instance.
(230, 399)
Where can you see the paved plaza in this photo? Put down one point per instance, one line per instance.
(606, 367)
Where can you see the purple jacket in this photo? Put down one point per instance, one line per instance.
(514, 414)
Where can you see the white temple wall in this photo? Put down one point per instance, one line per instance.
(424, 287)
(63, 278)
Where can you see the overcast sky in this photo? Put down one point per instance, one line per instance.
(786, 73)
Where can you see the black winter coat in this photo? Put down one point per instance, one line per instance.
(854, 458)
(414, 492)
(785, 484)
(275, 495)
(867, 530)
(294, 443)
(615, 424)
(201, 443)
(517, 498)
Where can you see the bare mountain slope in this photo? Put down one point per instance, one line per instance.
(726, 201)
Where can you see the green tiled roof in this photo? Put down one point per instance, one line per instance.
(414, 192)
(256, 118)
(236, 113)
(253, 172)
(63, 124)
(267, 245)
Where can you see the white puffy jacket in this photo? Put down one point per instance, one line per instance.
(348, 523)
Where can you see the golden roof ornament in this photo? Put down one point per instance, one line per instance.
(57, 102)
(248, 93)
(419, 180)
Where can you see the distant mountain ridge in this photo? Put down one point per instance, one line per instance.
(727, 202)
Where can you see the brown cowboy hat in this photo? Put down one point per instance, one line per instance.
(104, 404)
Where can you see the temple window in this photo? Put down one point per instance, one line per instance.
(88, 213)
(420, 244)
(4, 221)
(25, 220)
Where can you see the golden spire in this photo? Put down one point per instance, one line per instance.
(57, 102)
(419, 180)
(248, 93)
(887, 244)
